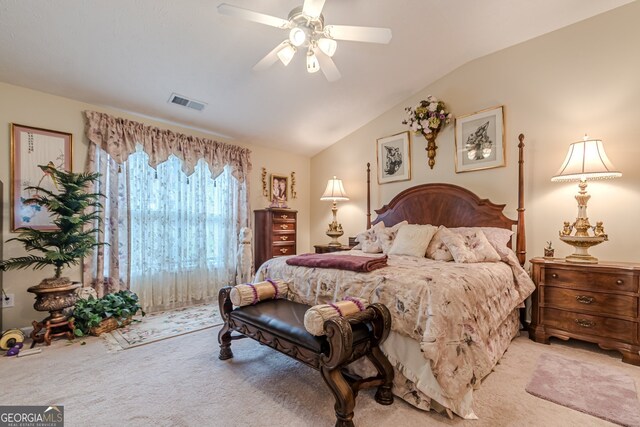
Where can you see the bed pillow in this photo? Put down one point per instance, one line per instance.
(498, 237)
(385, 236)
(470, 247)
(412, 240)
(437, 250)
(367, 240)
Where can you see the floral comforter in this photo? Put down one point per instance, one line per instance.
(453, 310)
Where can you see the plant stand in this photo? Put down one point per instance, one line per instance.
(52, 330)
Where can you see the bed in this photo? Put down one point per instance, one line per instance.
(451, 322)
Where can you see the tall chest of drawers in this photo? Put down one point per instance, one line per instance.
(591, 302)
(275, 234)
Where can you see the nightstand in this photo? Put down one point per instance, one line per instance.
(591, 302)
(323, 249)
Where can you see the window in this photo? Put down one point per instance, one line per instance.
(183, 236)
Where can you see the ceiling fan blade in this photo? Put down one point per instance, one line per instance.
(270, 59)
(313, 8)
(250, 15)
(358, 34)
(327, 65)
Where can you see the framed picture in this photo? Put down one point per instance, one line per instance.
(279, 191)
(31, 147)
(480, 140)
(394, 158)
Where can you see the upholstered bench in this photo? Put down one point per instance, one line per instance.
(279, 324)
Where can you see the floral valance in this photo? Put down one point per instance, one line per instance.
(119, 137)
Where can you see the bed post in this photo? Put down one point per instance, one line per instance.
(521, 243)
(368, 195)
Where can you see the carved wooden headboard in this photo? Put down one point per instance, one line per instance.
(452, 206)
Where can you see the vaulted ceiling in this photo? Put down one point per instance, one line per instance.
(132, 55)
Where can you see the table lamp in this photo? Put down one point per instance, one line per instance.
(586, 160)
(334, 192)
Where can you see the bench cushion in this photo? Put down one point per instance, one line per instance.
(285, 319)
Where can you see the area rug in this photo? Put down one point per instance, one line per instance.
(593, 389)
(162, 325)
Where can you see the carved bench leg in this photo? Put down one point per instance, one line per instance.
(383, 394)
(342, 392)
(224, 336)
(224, 339)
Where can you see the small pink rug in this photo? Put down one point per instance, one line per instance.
(593, 389)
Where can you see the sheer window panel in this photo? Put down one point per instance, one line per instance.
(183, 231)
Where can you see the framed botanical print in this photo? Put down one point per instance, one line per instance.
(480, 140)
(31, 147)
(394, 158)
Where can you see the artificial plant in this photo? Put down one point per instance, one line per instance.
(67, 206)
(88, 313)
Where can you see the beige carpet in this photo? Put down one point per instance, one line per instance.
(181, 382)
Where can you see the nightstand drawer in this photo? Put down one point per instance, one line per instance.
(598, 303)
(588, 279)
(590, 325)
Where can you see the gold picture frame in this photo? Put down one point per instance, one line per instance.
(278, 191)
(480, 140)
(393, 155)
(30, 147)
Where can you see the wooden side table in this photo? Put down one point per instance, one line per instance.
(323, 249)
(590, 302)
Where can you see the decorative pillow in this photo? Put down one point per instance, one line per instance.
(367, 239)
(385, 236)
(470, 247)
(315, 317)
(498, 237)
(251, 294)
(412, 240)
(437, 250)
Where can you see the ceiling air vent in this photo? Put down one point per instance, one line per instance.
(186, 102)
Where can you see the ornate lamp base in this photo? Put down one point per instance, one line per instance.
(582, 245)
(335, 229)
(334, 233)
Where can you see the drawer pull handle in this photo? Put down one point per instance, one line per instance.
(283, 251)
(585, 299)
(284, 216)
(585, 323)
(283, 237)
(554, 275)
(619, 282)
(284, 226)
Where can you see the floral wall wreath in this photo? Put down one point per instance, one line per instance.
(427, 119)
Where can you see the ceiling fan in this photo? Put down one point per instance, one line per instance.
(307, 31)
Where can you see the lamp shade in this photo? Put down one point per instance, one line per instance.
(286, 54)
(586, 160)
(334, 191)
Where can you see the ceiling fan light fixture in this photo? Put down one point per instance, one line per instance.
(328, 46)
(286, 54)
(313, 66)
(297, 36)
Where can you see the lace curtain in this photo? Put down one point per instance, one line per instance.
(171, 220)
